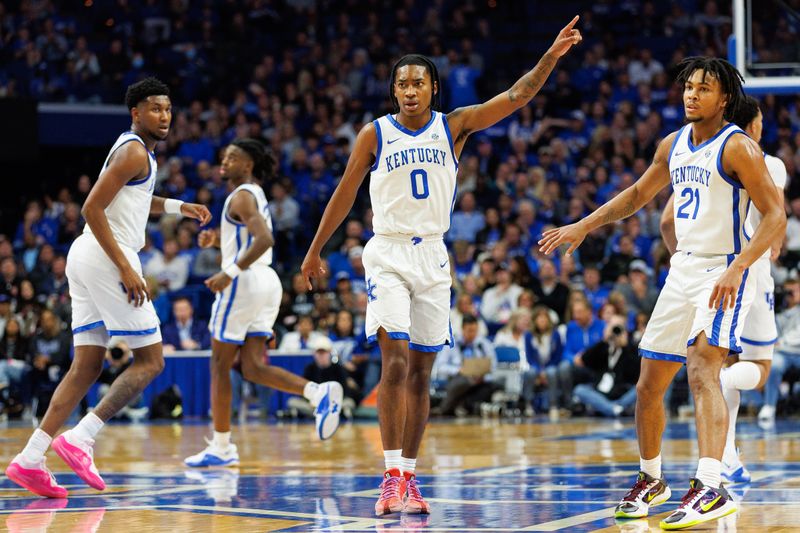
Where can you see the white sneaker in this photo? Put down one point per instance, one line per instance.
(734, 471)
(701, 504)
(766, 414)
(647, 492)
(214, 456)
(328, 400)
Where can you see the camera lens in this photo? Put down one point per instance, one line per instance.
(617, 330)
(117, 353)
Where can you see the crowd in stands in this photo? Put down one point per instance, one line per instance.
(304, 76)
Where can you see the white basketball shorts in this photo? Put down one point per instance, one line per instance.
(408, 290)
(760, 331)
(99, 300)
(682, 311)
(247, 307)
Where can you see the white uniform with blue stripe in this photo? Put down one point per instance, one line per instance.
(710, 212)
(760, 331)
(99, 300)
(412, 188)
(248, 306)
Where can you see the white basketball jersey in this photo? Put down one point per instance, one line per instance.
(413, 181)
(234, 238)
(710, 206)
(128, 212)
(777, 171)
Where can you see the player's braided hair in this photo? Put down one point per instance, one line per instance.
(729, 79)
(142, 89)
(747, 112)
(263, 162)
(422, 61)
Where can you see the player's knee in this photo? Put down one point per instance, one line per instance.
(395, 370)
(419, 379)
(249, 369)
(650, 390)
(701, 377)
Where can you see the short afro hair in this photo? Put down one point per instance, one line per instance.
(747, 112)
(140, 90)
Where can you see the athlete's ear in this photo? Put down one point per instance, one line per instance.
(435, 88)
(135, 114)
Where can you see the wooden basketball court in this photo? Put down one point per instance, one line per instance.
(479, 475)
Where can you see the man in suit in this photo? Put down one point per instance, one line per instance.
(184, 332)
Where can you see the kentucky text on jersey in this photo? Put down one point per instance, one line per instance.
(691, 174)
(413, 156)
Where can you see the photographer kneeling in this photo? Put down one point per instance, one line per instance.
(615, 366)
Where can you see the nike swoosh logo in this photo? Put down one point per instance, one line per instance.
(710, 269)
(707, 506)
(651, 496)
(443, 264)
(679, 153)
(393, 140)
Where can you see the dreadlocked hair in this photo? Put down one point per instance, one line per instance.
(263, 162)
(729, 79)
(747, 112)
(140, 90)
(422, 61)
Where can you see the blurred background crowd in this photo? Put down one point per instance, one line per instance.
(545, 333)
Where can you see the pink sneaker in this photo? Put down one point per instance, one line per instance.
(38, 480)
(79, 456)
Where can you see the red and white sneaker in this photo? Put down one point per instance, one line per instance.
(393, 490)
(79, 456)
(415, 503)
(39, 480)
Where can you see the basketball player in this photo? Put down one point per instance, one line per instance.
(716, 170)
(750, 368)
(413, 159)
(248, 297)
(109, 294)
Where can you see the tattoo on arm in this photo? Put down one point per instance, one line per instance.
(628, 208)
(527, 86)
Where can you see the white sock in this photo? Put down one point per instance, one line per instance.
(222, 440)
(408, 465)
(87, 428)
(651, 467)
(392, 459)
(743, 375)
(309, 391)
(37, 445)
(708, 471)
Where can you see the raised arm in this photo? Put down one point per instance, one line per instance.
(466, 120)
(128, 162)
(743, 159)
(626, 203)
(360, 162)
(243, 207)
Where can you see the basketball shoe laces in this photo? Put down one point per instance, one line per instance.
(689, 499)
(413, 491)
(390, 488)
(638, 487)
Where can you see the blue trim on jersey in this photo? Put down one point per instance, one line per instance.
(149, 167)
(674, 144)
(450, 140)
(87, 327)
(394, 335)
(228, 310)
(229, 219)
(409, 132)
(746, 213)
(267, 334)
(759, 343)
(659, 356)
(427, 349)
(118, 332)
(732, 182)
(151, 152)
(374, 167)
(694, 148)
(717, 324)
(732, 346)
(737, 239)
(229, 341)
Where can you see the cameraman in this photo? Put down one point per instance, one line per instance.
(614, 363)
(118, 358)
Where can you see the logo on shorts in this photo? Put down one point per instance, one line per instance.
(770, 300)
(371, 291)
